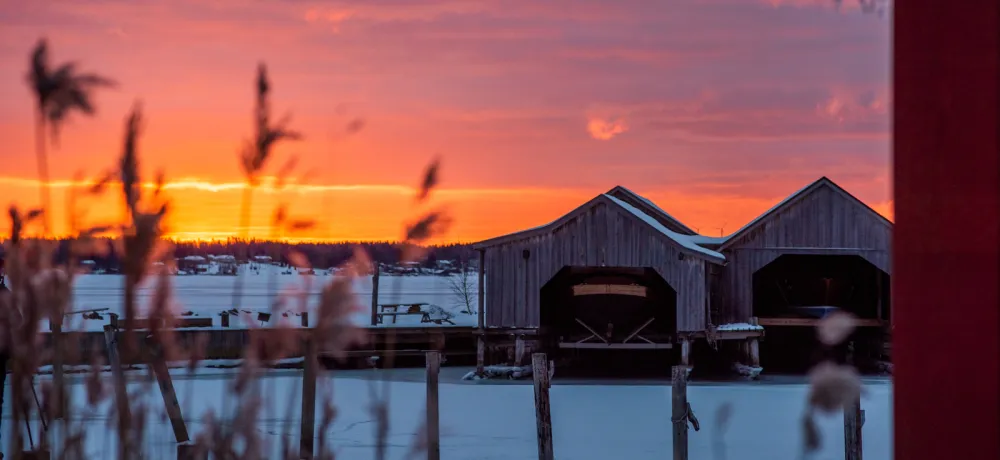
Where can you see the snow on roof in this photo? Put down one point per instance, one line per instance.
(194, 258)
(707, 240)
(740, 327)
(655, 207)
(88, 262)
(684, 240)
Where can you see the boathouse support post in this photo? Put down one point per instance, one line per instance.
(686, 352)
(481, 320)
(375, 270)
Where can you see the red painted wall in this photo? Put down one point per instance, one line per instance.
(946, 281)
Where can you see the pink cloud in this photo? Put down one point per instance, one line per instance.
(605, 129)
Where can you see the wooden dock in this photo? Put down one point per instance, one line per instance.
(230, 343)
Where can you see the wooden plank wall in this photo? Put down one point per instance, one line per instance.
(603, 236)
(824, 222)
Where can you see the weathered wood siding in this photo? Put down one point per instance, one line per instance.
(604, 235)
(825, 221)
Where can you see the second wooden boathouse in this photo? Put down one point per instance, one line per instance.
(617, 272)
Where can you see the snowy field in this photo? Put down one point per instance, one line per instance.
(496, 421)
(210, 295)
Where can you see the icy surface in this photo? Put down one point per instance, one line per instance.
(496, 421)
(199, 296)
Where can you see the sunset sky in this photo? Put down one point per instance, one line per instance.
(714, 109)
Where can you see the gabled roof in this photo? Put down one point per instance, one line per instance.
(650, 208)
(820, 183)
(683, 242)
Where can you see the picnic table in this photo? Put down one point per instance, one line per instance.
(394, 310)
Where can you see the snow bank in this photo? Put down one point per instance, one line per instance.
(500, 372)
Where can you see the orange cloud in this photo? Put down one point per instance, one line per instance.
(605, 129)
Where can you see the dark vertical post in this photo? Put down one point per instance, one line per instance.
(686, 352)
(679, 412)
(853, 420)
(433, 420)
(481, 339)
(111, 336)
(308, 423)
(482, 291)
(375, 294)
(225, 319)
(543, 412)
(305, 319)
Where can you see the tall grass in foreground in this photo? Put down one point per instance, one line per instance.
(41, 291)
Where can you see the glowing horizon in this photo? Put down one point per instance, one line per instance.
(715, 110)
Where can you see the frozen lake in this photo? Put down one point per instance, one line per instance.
(484, 420)
(209, 295)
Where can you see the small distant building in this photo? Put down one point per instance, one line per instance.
(193, 264)
(227, 264)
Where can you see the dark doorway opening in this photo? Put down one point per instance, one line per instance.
(794, 291)
(613, 321)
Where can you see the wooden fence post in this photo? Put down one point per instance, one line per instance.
(679, 412)
(170, 402)
(543, 413)
(225, 319)
(308, 423)
(433, 417)
(854, 419)
(111, 336)
(305, 319)
(375, 294)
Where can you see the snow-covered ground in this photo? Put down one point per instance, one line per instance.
(497, 422)
(209, 295)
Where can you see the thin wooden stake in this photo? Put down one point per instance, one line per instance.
(854, 418)
(111, 335)
(433, 417)
(543, 413)
(679, 412)
(170, 402)
(308, 436)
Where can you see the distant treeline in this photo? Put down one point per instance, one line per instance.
(320, 255)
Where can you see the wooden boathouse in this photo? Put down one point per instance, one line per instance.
(818, 250)
(621, 273)
(615, 273)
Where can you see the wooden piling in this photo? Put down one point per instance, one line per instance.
(679, 412)
(518, 350)
(225, 319)
(308, 423)
(305, 319)
(480, 354)
(754, 346)
(433, 416)
(686, 352)
(111, 336)
(854, 418)
(375, 275)
(166, 383)
(543, 413)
